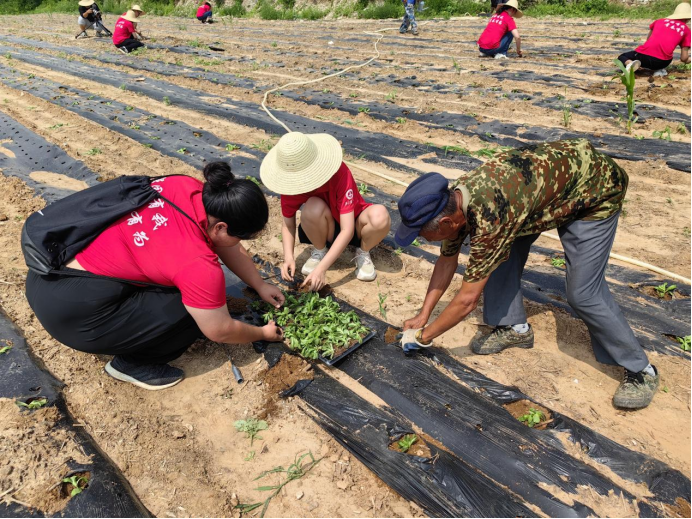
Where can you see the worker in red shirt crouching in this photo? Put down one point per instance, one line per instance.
(125, 33)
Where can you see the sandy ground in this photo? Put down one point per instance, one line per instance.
(180, 449)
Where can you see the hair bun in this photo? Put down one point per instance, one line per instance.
(218, 175)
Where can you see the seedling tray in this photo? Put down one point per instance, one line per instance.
(334, 360)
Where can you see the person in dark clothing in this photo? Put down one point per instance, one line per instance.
(146, 327)
(89, 17)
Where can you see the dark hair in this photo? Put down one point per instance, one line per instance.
(237, 202)
(207, 3)
(447, 210)
(502, 8)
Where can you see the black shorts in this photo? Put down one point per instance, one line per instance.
(648, 62)
(303, 238)
(144, 325)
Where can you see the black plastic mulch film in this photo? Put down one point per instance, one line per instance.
(484, 462)
(653, 321)
(108, 493)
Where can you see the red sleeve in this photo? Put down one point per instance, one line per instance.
(652, 25)
(346, 190)
(686, 37)
(511, 24)
(201, 283)
(290, 204)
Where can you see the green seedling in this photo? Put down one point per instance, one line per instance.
(363, 189)
(254, 180)
(532, 418)
(250, 456)
(326, 91)
(34, 404)
(617, 33)
(664, 389)
(123, 87)
(686, 232)
(5, 349)
(299, 468)
(665, 289)
(274, 44)
(166, 101)
(75, 481)
(684, 342)
(456, 65)
(381, 299)
(627, 79)
(566, 115)
(391, 96)
(251, 427)
(263, 145)
(663, 135)
(485, 152)
(147, 145)
(315, 326)
(129, 108)
(416, 243)
(182, 151)
(232, 147)
(364, 109)
(134, 126)
(56, 126)
(93, 151)
(352, 94)
(407, 442)
(195, 43)
(557, 262)
(398, 251)
(681, 129)
(408, 298)
(455, 149)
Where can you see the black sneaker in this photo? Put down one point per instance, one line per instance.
(152, 376)
(501, 338)
(636, 390)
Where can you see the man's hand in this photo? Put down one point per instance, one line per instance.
(416, 322)
(271, 332)
(271, 294)
(409, 342)
(316, 280)
(520, 54)
(288, 269)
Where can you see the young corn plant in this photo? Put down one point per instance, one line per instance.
(532, 418)
(665, 290)
(381, 301)
(407, 442)
(566, 115)
(627, 79)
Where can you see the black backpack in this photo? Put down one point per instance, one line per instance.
(55, 234)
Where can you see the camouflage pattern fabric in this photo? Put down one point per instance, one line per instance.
(530, 190)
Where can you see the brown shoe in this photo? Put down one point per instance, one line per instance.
(636, 390)
(501, 338)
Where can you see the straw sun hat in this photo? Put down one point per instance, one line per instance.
(86, 3)
(682, 12)
(515, 4)
(130, 16)
(300, 163)
(136, 7)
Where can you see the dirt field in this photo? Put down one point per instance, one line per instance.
(179, 449)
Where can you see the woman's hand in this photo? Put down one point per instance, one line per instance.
(288, 269)
(271, 332)
(271, 294)
(316, 280)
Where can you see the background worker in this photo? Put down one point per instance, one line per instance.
(503, 206)
(409, 17)
(89, 17)
(125, 33)
(500, 31)
(664, 37)
(309, 174)
(145, 327)
(204, 13)
(494, 4)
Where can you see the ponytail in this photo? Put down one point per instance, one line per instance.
(237, 202)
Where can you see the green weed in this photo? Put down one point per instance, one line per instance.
(263, 145)
(407, 442)
(93, 151)
(250, 456)
(532, 418)
(566, 115)
(665, 290)
(391, 96)
(251, 427)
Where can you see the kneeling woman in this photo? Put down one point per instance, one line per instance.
(145, 327)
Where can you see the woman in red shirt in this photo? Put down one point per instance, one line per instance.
(175, 241)
(204, 13)
(500, 31)
(125, 32)
(308, 172)
(664, 37)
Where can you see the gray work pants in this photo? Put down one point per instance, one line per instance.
(587, 245)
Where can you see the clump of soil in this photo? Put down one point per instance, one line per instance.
(284, 375)
(236, 305)
(322, 292)
(420, 448)
(521, 407)
(681, 508)
(390, 335)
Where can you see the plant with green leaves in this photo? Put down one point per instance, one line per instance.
(363, 189)
(315, 325)
(627, 78)
(182, 151)
(76, 482)
(485, 152)
(381, 300)
(416, 243)
(566, 115)
(557, 261)
(37, 403)
(250, 456)
(167, 100)
(93, 151)
(407, 442)
(665, 290)
(296, 470)
(251, 427)
(391, 96)
(663, 134)
(232, 147)
(5, 349)
(532, 418)
(684, 342)
(364, 109)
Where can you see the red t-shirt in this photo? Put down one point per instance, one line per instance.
(123, 30)
(666, 35)
(202, 9)
(498, 26)
(158, 244)
(340, 193)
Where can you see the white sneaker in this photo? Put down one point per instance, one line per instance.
(661, 73)
(315, 258)
(121, 49)
(634, 65)
(365, 269)
(500, 56)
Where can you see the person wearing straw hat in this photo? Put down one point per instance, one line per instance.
(204, 13)
(665, 35)
(502, 207)
(309, 174)
(125, 32)
(500, 31)
(89, 15)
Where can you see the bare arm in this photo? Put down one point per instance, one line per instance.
(218, 326)
(462, 305)
(288, 238)
(685, 55)
(317, 278)
(442, 276)
(517, 39)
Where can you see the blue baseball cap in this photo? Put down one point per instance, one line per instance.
(423, 200)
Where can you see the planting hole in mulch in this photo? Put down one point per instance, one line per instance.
(236, 305)
(523, 409)
(284, 375)
(418, 448)
(390, 335)
(650, 290)
(322, 292)
(66, 488)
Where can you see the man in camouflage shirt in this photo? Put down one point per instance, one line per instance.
(503, 206)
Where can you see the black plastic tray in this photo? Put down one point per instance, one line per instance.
(331, 362)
